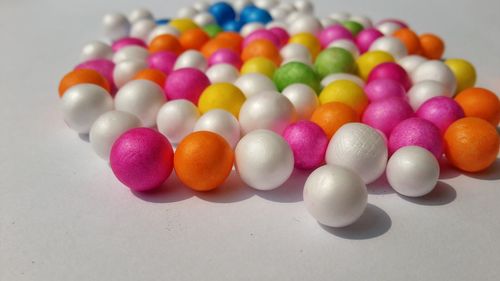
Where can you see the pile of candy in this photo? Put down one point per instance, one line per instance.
(268, 87)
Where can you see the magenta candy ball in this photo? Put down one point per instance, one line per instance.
(225, 56)
(419, 132)
(366, 37)
(396, 21)
(163, 61)
(282, 35)
(127, 41)
(333, 33)
(308, 143)
(441, 111)
(186, 83)
(104, 67)
(262, 34)
(390, 70)
(142, 159)
(386, 114)
(381, 89)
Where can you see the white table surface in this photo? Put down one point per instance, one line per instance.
(63, 215)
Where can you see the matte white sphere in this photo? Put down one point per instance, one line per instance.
(264, 160)
(335, 196)
(295, 52)
(289, 7)
(142, 98)
(412, 171)
(435, 70)
(294, 15)
(222, 72)
(238, 5)
(222, 123)
(96, 50)
(425, 90)
(108, 127)
(340, 16)
(115, 26)
(278, 13)
(342, 76)
(176, 119)
(201, 6)
(254, 83)
(126, 71)
(365, 21)
(388, 28)
(251, 27)
(163, 29)
(140, 14)
(267, 110)
(203, 19)
(191, 59)
(142, 28)
(277, 23)
(83, 104)
(411, 62)
(358, 147)
(307, 23)
(187, 12)
(131, 53)
(303, 98)
(390, 45)
(266, 4)
(305, 6)
(347, 45)
(326, 22)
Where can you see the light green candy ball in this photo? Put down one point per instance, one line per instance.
(334, 60)
(296, 72)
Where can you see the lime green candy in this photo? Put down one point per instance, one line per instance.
(296, 72)
(353, 26)
(212, 29)
(334, 60)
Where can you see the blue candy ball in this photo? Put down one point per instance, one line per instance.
(232, 25)
(254, 14)
(222, 12)
(162, 21)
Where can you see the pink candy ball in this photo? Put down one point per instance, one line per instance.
(104, 67)
(262, 34)
(186, 83)
(386, 114)
(163, 61)
(441, 111)
(384, 88)
(282, 35)
(142, 159)
(333, 33)
(225, 56)
(366, 37)
(127, 41)
(390, 70)
(308, 143)
(396, 21)
(419, 132)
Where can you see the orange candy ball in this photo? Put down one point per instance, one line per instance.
(153, 75)
(410, 40)
(431, 46)
(165, 42)
(333, 115)
(194, 39)
(261, 48)
(203, 160)
(471, 144)
(214, 45)
(81, 76)
(233, 39)
(481, 103)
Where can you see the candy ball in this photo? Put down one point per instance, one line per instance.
(471, 144)
(115, 26)
(385, 114)
(264, 160)
(126, 71)
(333, 115)
(142, 98)
(425, 90)
(153, 75)
(388, 27)
(441, 111)
(353, 27)
(222, 12)
(309, 41)
(261, 48)
(419, 132)
(390, 70)
(410, 63)
(82, 76)
(163, 61)
(370, 60)
(186, 83)
(83, 104)
(142, 28)
(464, 72)
(259, 65)
(221, 96)
(165, 43)
(96, 50)
(303, 98)
(176, 119)
(248, 28)
(347, 92)
(381, 89)
(332, 33)
(142, 159)
(140, 14)
(360, 148)
(104, 67)
(305, 23)
(410, 39)
(296, 52)
(262, 34)
(183, 24)
(281, 34)
(203, 161)
(412, 171)
(366, 37)
(308, 143)
(212, 29)
(347, 45)
(254, 83)
(436, 71)
(253, 14)
(225, 56)
(390, 45)
(342, 76)
(335, 196)
(107, 128)
(194, 39)
(187, 12)
(130, 53)
(431, 46)
(191, 59)
(334, 60)
(127, 42)
(481, 103)
(296, 72)
(222, 72)
(222, 123)
(161, 30)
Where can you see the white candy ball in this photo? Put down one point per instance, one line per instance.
(437, 71)
(201, 6)
(203, 19)
(335, 196)
(289, 7)
(222, 72)
(294, 15)
(267, 110)
(83, 104)
(412, 171)
(140, 14)
(410, 63)
(132, 52)
(142, 98)
(347, 45)
(340, 16)
(266, 4)
(251, 27)
(187, 12)
(342, 76)
(296, 52)
(303, 98)
(126, 71)
(305, 6)
(96, 50)
(176, 119)
(388, 28)
(222, 123)
(390, 45)
(365, 21)
(425, 90)
(254, 83)
(264, 160)
(108, 127)
(326, 22)
(277, 23)
(278, 13)
(192, 59)
(163, 29)
(358, 147)
(238, 5)
(115, 26)
(142, 28)
(307, 23)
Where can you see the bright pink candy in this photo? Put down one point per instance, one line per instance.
(225, 56)
(384, 88)
(127, 41)
(262, 34)
(366, 37)
(333, 33)
(396, 21)
(419, 132)
(186, 83)
(308, 143)
(441, 111)
(142, 159)
(282, 35)
(163, 61)
(390, 70)
(104, 67)
(387, 114)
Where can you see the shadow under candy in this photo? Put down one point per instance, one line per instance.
(442, 194)
(289, 192)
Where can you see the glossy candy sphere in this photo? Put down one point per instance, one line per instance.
(296, 72)
(441, 111)
(303, 98)
(254, 83)
(347, 92)
(176, 119)
(186, 83)
(333, 115)
(224, 96)
(481, 103)
(308, 143)
(419, 132)
(381, 89)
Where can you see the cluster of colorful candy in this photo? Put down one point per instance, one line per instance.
(267, 86)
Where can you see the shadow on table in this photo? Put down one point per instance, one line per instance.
(380, 186)
(233, 190)
(442, 194)
(171, 191)
(84, 137)
(289, 192)
(492, 173)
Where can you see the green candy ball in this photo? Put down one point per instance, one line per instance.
(334, 60)
(296, 72)
(353, 26)
(212, 29)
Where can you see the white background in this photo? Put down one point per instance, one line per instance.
(63, 215)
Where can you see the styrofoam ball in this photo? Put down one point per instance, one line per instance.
(126, 71)
(425, 90)
(303, 98)
(176, 119)
(390, 45)
(437, 71)
(192, 59)
(266, 4)
(222, 123)
(140, 14)
(131, 53)
(307, 23)
(222, 72)
(327, 22)
(365, 21)
(115, 26)
(203, 19)
(342, 76)
(296, 52)
(340, 16)
(254, 83)
(278, 13)
(163, 29)
(346, 44)
(305, 6)
(96, 50)
(201, 5)
(294, 15)
(187, 12)
(411, 62)
(142, 28)
(388, 27)
(250, 27)
(277, 23)
(238, 5)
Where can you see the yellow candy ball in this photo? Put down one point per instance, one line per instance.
(464, 72)
(347, 92)
(224, 96)
(260, 65)
(370, 60)
(183, 24)
(309, 41)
